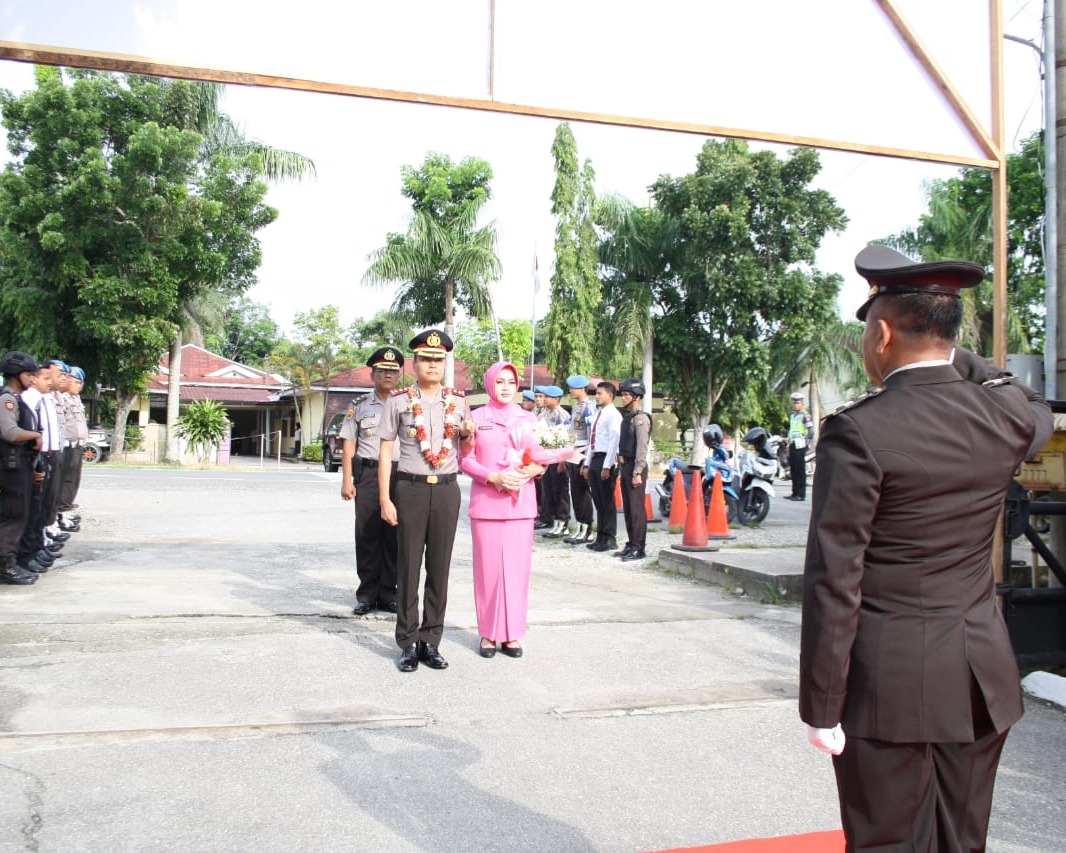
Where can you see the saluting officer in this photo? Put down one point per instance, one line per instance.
(633, 439)
(375, 541)
(19, 443)
(420, 428)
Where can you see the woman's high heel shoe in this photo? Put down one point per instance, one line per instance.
(487, 651)
(514, 651)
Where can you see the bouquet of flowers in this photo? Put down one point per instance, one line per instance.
(549, 445)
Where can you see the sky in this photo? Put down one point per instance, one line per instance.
(828, 69)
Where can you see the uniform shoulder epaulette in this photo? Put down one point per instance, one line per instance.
(851, 404)
(398, 392)
(1000, 380)
(455, 392)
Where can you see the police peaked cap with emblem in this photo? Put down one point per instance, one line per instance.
(891, 273)
(431, 343)
(386, 358)
(15, 362)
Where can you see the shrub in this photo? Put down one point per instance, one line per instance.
(203, 424)
(313, 453)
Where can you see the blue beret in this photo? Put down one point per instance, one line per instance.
(78, 373)
(540, 389)
(529, 395)
(577, 381)
(552, 391)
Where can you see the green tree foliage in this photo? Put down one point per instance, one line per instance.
(111, 220)
(249, 335)
(476, 344)
(203, 424)
(444, 258)
(958, 224)
(748, 228)
(570, 342)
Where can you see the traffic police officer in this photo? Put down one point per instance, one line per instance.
(19, 443)
(800, 437)
(582, 414)
(633, 439)
(420, 428)
(375, 541)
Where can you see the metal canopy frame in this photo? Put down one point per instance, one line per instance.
(990, 141)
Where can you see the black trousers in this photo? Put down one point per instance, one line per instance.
(375, 542)
(15, 491)
(427, 516)
(602, 492)
(797, 470)
(50, 496)
(32, 539)
(633, 507)
(556, 485)
(580, 495)
(919, 796)
(68, 489)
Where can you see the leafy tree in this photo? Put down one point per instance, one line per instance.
(203, 425)
(576, 290)
(110, 221)
(444, 258)
(958, 224)
(248, 335)
(476, 344)
(384, 328)
(749, 225)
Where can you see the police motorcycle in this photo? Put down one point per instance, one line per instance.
(757, 465)
(98, 445)
(717, 461)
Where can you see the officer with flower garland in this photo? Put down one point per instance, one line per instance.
(420, 429)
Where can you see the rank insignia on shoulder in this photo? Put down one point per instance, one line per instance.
(1000, 380)
(398, 392)
(455, 392)
(851, 404)
(9, 404)
(350, 413)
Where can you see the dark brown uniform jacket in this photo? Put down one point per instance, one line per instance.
(899, 603)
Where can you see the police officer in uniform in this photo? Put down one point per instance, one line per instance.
(375, 541)
(555, 484)
(800, 437)
(582, 414)
(19, 442)
(633, 439)
(907, 674)
(421, 428)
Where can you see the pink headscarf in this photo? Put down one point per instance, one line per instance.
(508, 410)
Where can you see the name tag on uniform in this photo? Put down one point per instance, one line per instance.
(485, 426)
(799, 442)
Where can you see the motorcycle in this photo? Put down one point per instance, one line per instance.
(756, 469)
(778, 444)
(717, 462)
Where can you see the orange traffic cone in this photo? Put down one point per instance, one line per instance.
(618, 492)
(649, 510)
(695, 536)
(679, 504)
(717, 517)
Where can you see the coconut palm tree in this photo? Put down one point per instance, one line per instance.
(438, 263)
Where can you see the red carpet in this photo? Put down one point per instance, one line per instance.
(811, 842)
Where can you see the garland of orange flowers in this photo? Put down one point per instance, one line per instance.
(450, 429)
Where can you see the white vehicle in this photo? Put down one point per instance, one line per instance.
(756, 469)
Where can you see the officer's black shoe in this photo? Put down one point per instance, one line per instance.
(15, 575)
(634, 555)
(44, 558)
(795, 498)
(54, 547)
(59, 537)
(592, 545)
(68, 528)
(605, 545)
(629, 549)
(31, 565)
(540, 525)
(430, 655)
(362, 608)
(408, 661)
(387, 606)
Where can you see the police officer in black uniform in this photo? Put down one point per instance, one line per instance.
(19, 443)
(633, 438)
(375, 541)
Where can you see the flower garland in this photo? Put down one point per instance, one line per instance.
(450, 429)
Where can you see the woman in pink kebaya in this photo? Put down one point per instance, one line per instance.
(503, 505)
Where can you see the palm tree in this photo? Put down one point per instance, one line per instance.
(438, 263)
(636, 252)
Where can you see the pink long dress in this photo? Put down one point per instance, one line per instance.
(501, 523)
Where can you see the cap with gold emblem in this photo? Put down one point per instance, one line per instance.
(432, 343)
(386, 358)
(889, 273)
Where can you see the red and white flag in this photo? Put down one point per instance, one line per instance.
(536, 274)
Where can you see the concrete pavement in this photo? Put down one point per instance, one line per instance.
(190, 677)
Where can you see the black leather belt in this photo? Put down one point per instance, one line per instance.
(600, 453)
(369, 463)
(430, 479)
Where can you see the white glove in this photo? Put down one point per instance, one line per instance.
(830, 741)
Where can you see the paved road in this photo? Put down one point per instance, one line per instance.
(190, 678)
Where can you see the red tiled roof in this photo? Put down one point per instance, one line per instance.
(197, 365)
(191, 393)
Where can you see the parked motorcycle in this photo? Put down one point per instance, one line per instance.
(778, 444)
(756, 469)
(717, 461)
(98, 445)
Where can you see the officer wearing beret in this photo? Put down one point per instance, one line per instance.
(555, 484)
(907, 675)
(75, 436)
(582, 414)
(20, 439)
(375, 541)
(421, 428)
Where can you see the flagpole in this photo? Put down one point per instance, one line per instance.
(533, 324)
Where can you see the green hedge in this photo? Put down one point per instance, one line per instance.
(313, 453)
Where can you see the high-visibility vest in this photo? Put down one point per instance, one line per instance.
(797, 425)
